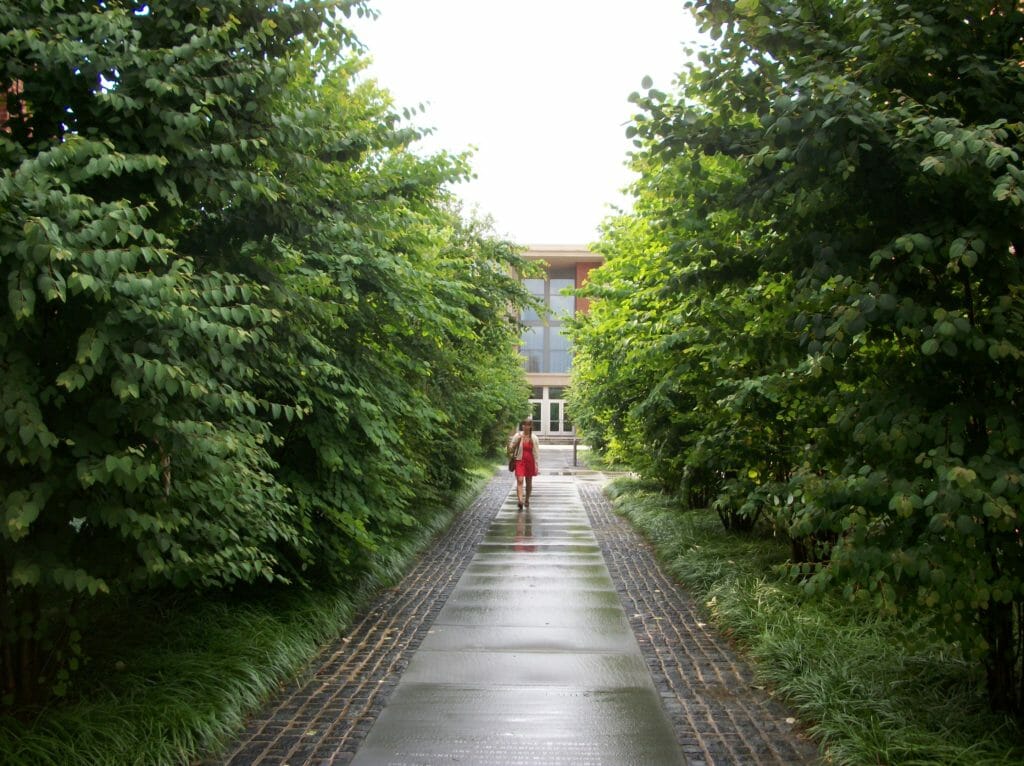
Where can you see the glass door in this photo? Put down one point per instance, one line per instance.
(558, 422)
(548, 411)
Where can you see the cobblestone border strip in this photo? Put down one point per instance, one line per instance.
(719, 714)
(323, 716)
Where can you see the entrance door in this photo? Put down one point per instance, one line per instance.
(549, 413)
(558, 423)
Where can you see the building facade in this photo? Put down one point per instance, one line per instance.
(547, 353)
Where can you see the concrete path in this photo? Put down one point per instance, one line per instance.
(491, 653)
(532, 660)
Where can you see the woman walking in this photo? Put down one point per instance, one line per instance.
(523, 447)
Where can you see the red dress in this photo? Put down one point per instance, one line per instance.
(526, 466)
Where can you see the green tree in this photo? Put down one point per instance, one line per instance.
(231, 288)
(132, 446)
(879, 146)
(683, 356)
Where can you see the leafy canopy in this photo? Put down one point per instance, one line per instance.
(819, 299)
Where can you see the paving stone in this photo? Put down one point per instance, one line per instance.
(377, 649)
(718, 714)
(728, 718)
(518, 704)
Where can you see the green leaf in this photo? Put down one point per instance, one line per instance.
(24, 573)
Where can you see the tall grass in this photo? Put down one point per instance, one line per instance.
(171, 677)
(871, 690)
(598, 461)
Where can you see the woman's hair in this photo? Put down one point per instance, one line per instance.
(525, 422)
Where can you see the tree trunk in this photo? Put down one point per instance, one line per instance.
(1001, 662)
(10, 686)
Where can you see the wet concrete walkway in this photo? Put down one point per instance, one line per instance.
(532, 659)
(505, 645)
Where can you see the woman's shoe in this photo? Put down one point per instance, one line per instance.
(520, 506)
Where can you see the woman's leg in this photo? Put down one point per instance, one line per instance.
(529, 489)
(519, 490)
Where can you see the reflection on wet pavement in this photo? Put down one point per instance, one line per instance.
(531, 660)
(524, 532)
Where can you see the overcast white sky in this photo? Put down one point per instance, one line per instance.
(539, 88)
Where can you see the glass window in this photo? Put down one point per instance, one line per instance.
(561, 361)
(559, 356)
(536, 288)
(556, 392)
(533, 348)
(537, 422)
(545, 348)
(537, 393)
(562, 306)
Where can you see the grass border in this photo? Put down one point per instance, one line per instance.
(870, 690)
(182, 680)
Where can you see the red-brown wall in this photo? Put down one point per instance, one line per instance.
(582, 270)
